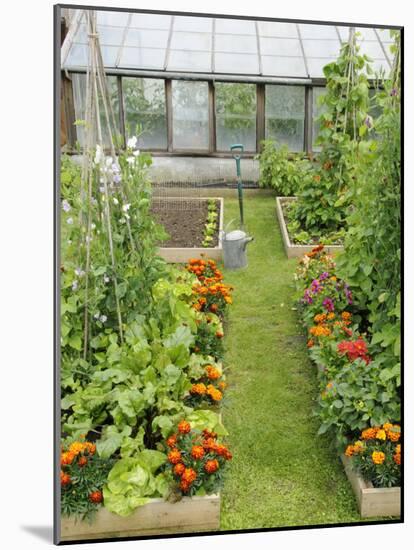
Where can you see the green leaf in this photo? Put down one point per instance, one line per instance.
(75, 342)
(111, 440)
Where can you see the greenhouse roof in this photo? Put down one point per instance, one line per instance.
(217, 46)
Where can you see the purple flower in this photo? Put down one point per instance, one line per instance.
(75, 285)
(307, 297)
(324, 276)
(368, 122)
(328, 304)
(394, 92)
(315, 286)
(117, 178)
(65, 205)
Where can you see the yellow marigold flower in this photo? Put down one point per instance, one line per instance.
(346, 315)
(381, 435)
(329, 385)
(212, 372)
(359, 445)
(378, 457)
(369, 433)
(198, 389)
(398, 449)
(228, 299)
(320, 318)
(76, 447)
(387, 426)
(393, 435)
(333, 278)
(331, 316)
(349, 451)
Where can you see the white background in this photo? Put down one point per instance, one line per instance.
(26, 267)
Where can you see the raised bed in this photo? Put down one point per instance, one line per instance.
(182, 254)
(372, 501)
(157, 517)
(296, 250)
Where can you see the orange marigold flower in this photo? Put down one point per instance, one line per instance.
(184, 486)
(349, 451)
(179, 469)
(387, 426)
(329, 385)
(83, 461)
(209, 444)
(211, 466)
(209, 434)
(189, 475)
(213, 308)
(331, 316)
(228, 299)
(219, 334)
(333, 278)
(394, 436)
(378, 457)
(197, 452)
(369, 433)
(398, 449)
(222, 385)
(212, 372)
(346, 315)
(320, 318)
(184, 427)
(174, 456)
(310, 343)
(172, 441)
(64, 478)
(96, 497)
(90, 447)
(221, 449)
(381, 435)
(198, 389)
(67, 458)
(397, 458)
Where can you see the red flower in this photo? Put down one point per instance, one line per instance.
(96, 497)
(211, 466)
(184, 427)
(174, 457)
(172, 441)
(179, 469)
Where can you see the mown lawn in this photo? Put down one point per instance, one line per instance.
(282, 472)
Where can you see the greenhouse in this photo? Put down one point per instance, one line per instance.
(196, 84)
(229, 229)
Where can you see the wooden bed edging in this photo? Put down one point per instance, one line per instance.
(296, 250)
(372, 501)
(157, 517)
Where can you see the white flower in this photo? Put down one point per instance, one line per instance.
(69, 221)
(79, 272)
(102, 189)
(115, 200)
(88, 239)
(132, 142)
(136, 153)
(74, 285)
(103, 318)
(106, 279)
(65, 205)
(69, 241)
(93, 226)
(130, 160)
(126, 207)
(127, 216)
(109, 162)
(98, 154)
(96, 316)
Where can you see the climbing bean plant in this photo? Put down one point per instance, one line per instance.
(322, 204)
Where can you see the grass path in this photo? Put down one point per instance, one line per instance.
(282, 473)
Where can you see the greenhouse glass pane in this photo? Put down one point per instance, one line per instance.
(191, 41)
(317, 110)
(235, 115)
(366, 33)
(190, 115)
(281, 30)
(146, 39)
(145, 111)
(372, 49)
(186, 60)
(343, 33)
(110, 36)
(150, 21)
(79, 99)
(316, 65)
(285, 115)
(237, 44)
(142, 58)
(78, 56)
(280, 46)
(317, 31)
(236, 63)
(109, 55)
(235, 26)
(112, 18)
(385, 35)
(284, 66)
(81, 35)
(321, 48)
(193, 24)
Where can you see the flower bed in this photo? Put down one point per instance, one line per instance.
(295, 250)
(209, 232)
(138, 338)
(359, 401)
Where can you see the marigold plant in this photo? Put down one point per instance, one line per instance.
(376, 455)
(210, 293)
(209, 388)
(197, 462)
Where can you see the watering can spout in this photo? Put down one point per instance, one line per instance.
(246, 241)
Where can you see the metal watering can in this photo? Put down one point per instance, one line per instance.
(234, 248)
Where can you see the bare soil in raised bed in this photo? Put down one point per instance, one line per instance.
(184, 221)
